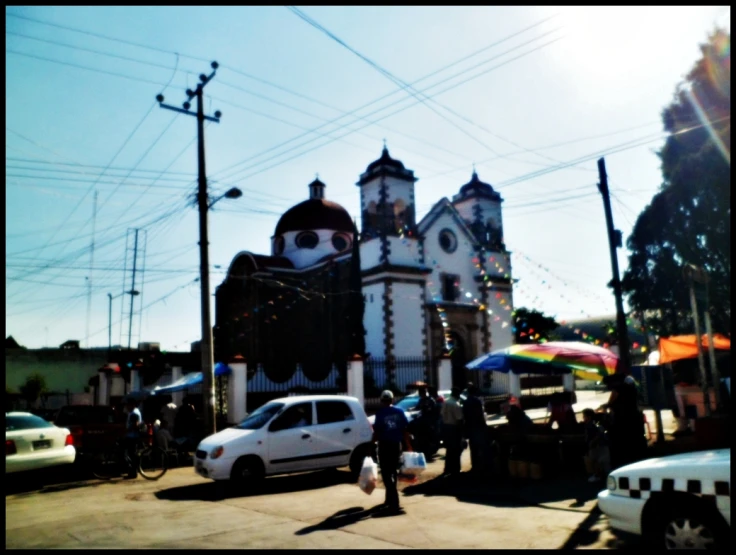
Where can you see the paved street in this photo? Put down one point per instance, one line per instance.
(315, 510)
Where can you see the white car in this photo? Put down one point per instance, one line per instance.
(291, 434)
(32, 443)
(677, 502)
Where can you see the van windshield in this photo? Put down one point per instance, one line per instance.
(258, 418)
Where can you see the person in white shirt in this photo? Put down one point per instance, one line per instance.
(452, 422)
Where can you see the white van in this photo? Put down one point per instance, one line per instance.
(291, 434)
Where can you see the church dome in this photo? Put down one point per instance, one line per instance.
(386, 165)
(315, 214)
(385, 160)
(476, 188)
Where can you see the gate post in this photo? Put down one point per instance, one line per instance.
(444, 371)
(237, 390)
(355, 379)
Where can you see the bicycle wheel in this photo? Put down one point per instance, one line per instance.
(106, 465)
(153, 463)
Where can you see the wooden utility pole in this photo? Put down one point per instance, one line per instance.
(614, 242)
(132, 291)
(208, 359)
(695, 275)
(91, 264)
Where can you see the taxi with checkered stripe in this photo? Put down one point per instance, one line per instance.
(677, 502)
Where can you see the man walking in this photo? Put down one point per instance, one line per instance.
(389, 430)
(452, 422)
(132, 436)
(476, 429)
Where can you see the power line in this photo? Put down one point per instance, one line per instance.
(257, 172)
(105, 37)
(392, 93)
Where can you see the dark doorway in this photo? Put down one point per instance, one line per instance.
(459, 360)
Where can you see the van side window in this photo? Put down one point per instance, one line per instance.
(333, 411)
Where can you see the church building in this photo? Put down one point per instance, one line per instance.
(440, 284)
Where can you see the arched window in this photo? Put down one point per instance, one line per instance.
(307, 240)
(278, 245)
(448, 241)
(341, 241)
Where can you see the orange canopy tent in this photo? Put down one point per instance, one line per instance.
(681, 347)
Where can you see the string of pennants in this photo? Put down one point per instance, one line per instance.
(497, 308)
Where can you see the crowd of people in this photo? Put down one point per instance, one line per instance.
(613, 434)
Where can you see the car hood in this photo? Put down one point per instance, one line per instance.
(223, 438)
(692, 463)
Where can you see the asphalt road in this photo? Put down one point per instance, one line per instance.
(309, 510)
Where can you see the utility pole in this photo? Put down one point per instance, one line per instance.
(132, 291)
(614, 242)
(695, 275)
(109, 327)
(208, 359)
(91, 261)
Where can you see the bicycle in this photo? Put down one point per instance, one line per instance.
(152, 461)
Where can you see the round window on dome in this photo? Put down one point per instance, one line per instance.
(307, 240)
(448, 241)
(278, 245)
(341, 241)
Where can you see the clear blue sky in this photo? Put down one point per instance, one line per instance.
(597, 90)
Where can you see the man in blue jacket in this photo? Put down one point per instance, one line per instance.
(389, 430)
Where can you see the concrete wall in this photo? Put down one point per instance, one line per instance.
(63, 370)
(408, 319)
(373, 320)
(404, 251)
(370, 254)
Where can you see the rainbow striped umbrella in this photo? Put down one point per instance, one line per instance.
(587, 362)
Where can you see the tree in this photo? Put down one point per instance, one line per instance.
(689, 220)
(33, 388)
(532, 326)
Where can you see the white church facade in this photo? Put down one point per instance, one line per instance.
(431, 286)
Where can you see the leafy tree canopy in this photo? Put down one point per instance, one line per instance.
(532, 326)
(689, 220)
(33, 388)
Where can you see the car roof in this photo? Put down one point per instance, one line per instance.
(308, 398)
(18, 413)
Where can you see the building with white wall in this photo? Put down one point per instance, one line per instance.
(441, 283)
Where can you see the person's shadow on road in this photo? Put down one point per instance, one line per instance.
(218, 491)
(343, 518)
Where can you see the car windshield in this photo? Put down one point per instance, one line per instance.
(25, 422)
(260, 417)
(408, 403)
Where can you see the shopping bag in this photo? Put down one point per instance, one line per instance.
(368, 476)
(407, 478)
(413, 463)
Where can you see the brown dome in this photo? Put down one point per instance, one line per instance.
(315, 214)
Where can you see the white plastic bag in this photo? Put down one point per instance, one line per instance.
(413, 463)
(368, 476)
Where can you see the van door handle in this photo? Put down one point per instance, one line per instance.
(306, 436)
(346, 431)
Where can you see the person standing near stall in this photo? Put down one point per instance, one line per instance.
(476, 429)
(452, 431)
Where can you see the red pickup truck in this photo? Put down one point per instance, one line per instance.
(93, 428)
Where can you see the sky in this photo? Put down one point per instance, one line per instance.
(530, 96)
